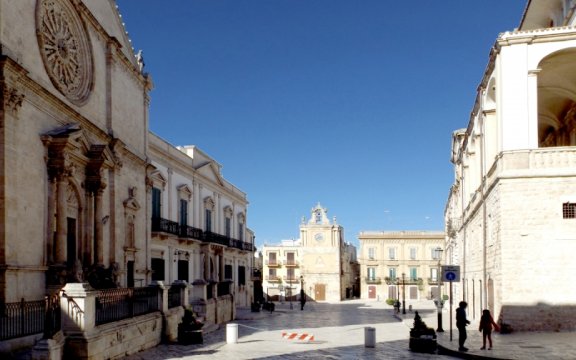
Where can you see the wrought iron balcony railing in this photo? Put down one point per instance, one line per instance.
(373, 280)
(190, 232)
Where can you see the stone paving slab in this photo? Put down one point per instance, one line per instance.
(521, 345)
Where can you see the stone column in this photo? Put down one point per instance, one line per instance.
(89, 245)
(533, 108)
(61, 221)
(98, 233)
(50, 221)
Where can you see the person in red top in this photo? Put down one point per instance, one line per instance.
(486, 325)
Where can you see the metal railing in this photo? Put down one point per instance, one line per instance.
(190, 232)
(118, 304)
(22, 318)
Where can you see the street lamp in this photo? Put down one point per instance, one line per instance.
(440, 302)
(403, 294)
(290, 288)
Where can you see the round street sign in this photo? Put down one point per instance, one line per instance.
(450, 276)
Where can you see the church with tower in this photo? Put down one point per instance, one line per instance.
(320, 262)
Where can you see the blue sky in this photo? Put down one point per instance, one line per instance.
(348, 103)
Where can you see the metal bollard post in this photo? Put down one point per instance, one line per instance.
(369, 337)
(231, 333)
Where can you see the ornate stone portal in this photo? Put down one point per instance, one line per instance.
(65, 48)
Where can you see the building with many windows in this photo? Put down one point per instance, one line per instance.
(395, 261)
(320, 262)
(199, 232)
(97, 213)
(510, 220)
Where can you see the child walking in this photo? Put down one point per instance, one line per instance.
(486, 324)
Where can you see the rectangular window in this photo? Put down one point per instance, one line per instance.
(434, 274)
(241, 232)
(183, 270)
(569, 210)
(183, 212)
(371, 253)
(272, 274)
(228, 226)
(272, 258)
(228, 272)
(392, 253)
(413, 273)
(392, 273)
(290, 273)
(157, 269)
(290, 259)
(156, 203)
(371, 273)
(241, 275)
(412, 253)
(208, 220)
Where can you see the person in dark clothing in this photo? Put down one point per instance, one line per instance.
(302, 299)
(486, 325)
(397, 306)
(461, 323)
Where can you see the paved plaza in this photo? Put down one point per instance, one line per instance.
(338, 329)
(339, 333)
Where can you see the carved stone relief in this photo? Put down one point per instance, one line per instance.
(65, 48)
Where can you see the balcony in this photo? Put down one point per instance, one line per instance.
(434, 281)
(273, 278)
(291, 279)
(407, 281)
(291, 263)
(373, 280)
(273, 263)
(160, 225)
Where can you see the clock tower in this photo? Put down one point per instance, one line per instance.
(322, 246)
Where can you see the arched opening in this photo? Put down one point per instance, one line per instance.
(557, 99)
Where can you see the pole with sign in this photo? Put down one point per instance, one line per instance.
(451, 273)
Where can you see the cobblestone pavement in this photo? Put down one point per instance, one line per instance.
(338, 329)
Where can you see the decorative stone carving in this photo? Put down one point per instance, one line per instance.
(12, 99)
(65, 48)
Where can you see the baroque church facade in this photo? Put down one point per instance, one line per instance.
(510, 216)
(87, 194)
(320, 262)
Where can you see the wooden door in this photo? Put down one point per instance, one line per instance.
(371, 292)
(320, 292)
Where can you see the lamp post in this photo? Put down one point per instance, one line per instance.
(403, 293)
(440, 302)
(290, 288)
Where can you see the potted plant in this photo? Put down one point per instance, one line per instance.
(422, 337)
(190, 329)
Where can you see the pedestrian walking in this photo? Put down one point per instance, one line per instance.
(302, 299)
(461, 323)
(486, 325)
(397, 306)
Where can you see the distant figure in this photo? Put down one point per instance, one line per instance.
(461, 323)
(397, 306)
(302, 299)
(486, 325)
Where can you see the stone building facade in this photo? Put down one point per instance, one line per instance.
(199, 219)
(400, 264)
(81, 175)
(510, 216)
(74, 147)
(320, 262)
